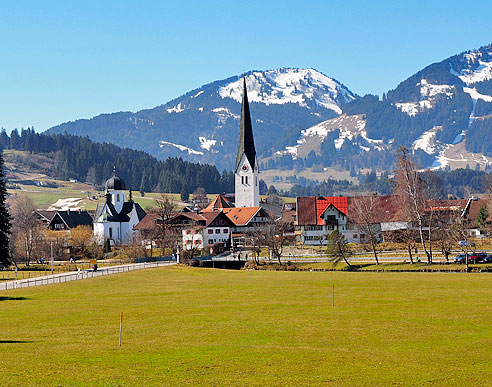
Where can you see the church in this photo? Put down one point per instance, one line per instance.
(247, 191)
(116, 217)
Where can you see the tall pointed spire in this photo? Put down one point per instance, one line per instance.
(246, 140)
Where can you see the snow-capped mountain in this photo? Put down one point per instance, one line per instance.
(303, 118)
(443, 113)
(203, 125)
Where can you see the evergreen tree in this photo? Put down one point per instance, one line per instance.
(482, 216)
(5, 224)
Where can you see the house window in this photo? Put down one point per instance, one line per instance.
(210, 241)
(246, 180)
(242, 179)
(217, 230)
(111, 233)
(210, 231)
(355, 236)
(226, 231)
(117, 197)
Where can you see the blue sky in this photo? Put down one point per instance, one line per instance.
(64, 60)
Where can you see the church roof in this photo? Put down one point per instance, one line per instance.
(246, 140)
(106, 212)
(115, 183)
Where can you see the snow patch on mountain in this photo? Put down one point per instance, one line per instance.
(183, 148)
(175, 109)
(476, 95)
(349, 127)
(197, 94)
(428, 95)
(427, 141)
(296, 86)
(206, 143)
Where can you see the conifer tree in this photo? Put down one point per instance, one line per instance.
(5, 224)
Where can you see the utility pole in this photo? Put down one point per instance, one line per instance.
(52, 258)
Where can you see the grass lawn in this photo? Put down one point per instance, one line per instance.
(185, 326)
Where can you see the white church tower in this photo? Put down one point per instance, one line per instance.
(116, 188)
(247, 192)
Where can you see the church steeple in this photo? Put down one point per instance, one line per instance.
(246, 188)
(246, 140)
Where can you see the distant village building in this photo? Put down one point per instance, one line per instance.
(116, 218)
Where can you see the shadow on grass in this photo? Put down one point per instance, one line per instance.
(15, 341)
(3, 298)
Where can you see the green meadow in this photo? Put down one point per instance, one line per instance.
(192, 326)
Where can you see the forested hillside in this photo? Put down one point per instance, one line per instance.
(82, 159)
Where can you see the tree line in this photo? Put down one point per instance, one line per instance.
(82, 159)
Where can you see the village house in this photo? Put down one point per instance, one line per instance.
(317, 217)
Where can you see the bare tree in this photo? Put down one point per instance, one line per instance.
(165, 232)
(26, 227)
(457, 232)
(406, 236)
(410, 187)
(81, 237)
(277, 237)
(365, 215)
(256, 240)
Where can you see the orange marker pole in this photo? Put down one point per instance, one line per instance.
(121, 325)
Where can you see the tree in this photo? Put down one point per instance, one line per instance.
(411, 190)
(256, 240)
(263, 188)
(165, 232)
(482, 216)
(5, 220)
(185, 194)
(458, 233)
(81, 237)
(365, 215)
(277, 237)
(25, 227)
(337, 247)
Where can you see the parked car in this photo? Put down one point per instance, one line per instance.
(477, 257)
(461, 258)
(488, 259)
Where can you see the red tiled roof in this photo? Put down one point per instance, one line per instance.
(241, 216)
(220, 202)
(310, 209)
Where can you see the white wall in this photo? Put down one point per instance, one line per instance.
(246, 185)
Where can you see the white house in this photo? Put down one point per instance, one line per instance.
(115, 218)
(206, 229)
(318, 217)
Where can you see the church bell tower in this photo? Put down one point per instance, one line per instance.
(247, 190)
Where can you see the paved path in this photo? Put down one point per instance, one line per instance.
(78, 275)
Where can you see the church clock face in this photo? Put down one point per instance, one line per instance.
(245, 168)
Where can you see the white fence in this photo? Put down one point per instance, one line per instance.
(78, 275)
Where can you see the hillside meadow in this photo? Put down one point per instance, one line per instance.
(192, 326)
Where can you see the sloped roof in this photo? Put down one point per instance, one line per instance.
(211, 216)
(148, 222)
(106, 212)
(241, 216)
(387, 207)
(475, 206)
(73, 219)
(310, 209)
(218, 203)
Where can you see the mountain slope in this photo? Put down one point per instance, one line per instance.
(443, 113)
(203, 124)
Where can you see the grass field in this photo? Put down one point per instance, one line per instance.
(185, 326)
